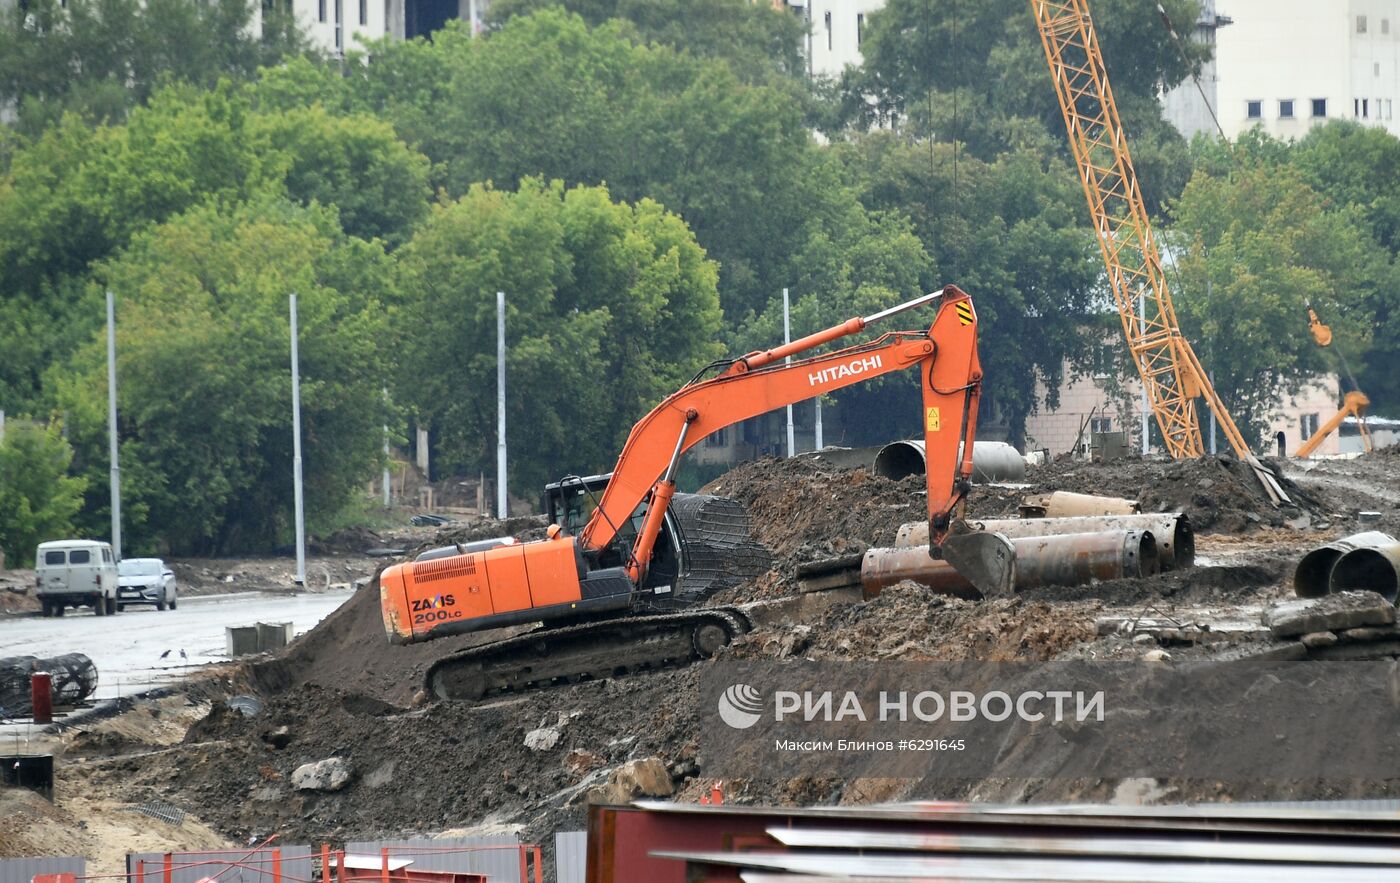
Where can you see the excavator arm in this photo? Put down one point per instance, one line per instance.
(950, 376)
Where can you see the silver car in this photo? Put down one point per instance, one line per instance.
(145, 581)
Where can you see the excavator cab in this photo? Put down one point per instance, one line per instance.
(571, 502)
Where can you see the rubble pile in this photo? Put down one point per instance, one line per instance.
(534, 761)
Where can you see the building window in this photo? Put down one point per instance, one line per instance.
(1365, 108)
(1309, 426)
(364, 12)
(1101, 424)
(388, 9)
(339, 30)
(718, 439)
(860, 27)
(1388, 108)
(1254, 109)
(1385, 26)
(1319, 107)
(1361, 24)
(321, 12)
(826, 18)
(1376, 68)
(1285, 109)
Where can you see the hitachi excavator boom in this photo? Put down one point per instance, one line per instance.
(611, 593)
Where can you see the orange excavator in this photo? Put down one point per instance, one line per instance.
(612, 597)
(1354, 402)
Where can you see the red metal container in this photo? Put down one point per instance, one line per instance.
(41, 696)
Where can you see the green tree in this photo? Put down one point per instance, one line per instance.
(100, 58)
(1255, 246)
(38, 498)
(976, 73)
(547, 96)
(1009, 233)
(609, 308)
(355, 163)
(755, 38)
(204, 390)
(78, 194)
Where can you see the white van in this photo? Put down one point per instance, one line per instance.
(75, 573)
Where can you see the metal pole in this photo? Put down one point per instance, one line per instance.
(387, 500)
(1212, 418)
(116, 474)
(787, 338)
(1142, 332)
(296, 450)
(1212, 385)
(501, 496)
(2, 426)
(818, 440)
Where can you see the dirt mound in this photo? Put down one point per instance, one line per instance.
(1221, 494)
(910, 622)
(805, 508)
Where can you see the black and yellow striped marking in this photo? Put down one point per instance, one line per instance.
(964, 313)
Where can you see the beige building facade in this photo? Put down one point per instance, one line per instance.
(1087, 405)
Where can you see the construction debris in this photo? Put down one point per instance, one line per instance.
(1345, 610)
(330, 774)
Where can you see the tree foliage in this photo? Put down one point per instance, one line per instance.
(609, 307)
(1256, 247)
(1008, 232)
(547, 96)
(975, 73)
(79, 194)
(756, 39)
(100, 58)
(204, 389)
(38, 498)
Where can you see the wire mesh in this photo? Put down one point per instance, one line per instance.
(74, 679)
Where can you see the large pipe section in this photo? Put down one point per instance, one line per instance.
(1064, 560)
(991, 461)
(1067, 504)
(1369, 560)
(1176, 543)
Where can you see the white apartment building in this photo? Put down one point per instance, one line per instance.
(1288, 65)
(336, 25)
(834, 32)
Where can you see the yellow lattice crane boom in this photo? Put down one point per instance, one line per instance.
(1170, 371)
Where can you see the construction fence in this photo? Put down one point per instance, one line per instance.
(459, 860)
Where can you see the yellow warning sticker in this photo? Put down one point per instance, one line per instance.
(931, 420)
(965, 313)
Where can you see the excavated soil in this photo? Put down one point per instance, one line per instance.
(343, 690)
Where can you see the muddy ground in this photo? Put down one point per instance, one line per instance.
(342, 690)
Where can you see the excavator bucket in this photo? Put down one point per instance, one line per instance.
(985, 559)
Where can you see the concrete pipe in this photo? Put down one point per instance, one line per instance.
(1314, 576)
(1176, 543)
(1064, 560)
(1066, 504)
(991, 461)
(1372, 567)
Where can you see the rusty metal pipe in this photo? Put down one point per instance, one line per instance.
(1064, 560)
(1314, 576)
(1176, 542)
(1373, 565)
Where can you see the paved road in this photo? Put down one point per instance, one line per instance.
(127, 647)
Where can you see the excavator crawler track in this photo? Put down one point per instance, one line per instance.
(549, 657)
